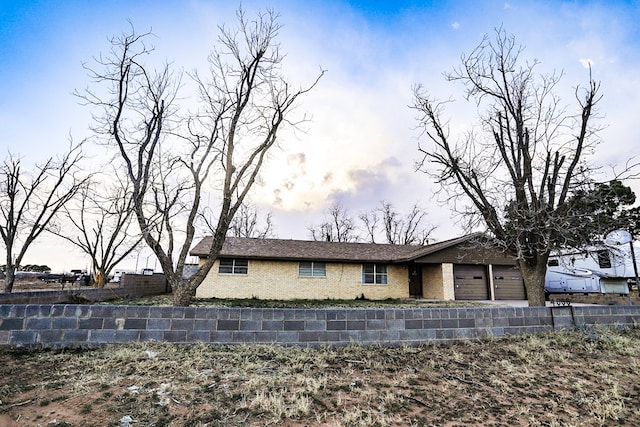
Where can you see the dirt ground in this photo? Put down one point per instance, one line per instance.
(586, 378)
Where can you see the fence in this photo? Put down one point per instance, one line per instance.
(131, 286)
(49, 325)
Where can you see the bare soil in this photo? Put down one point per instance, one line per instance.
(586, 378)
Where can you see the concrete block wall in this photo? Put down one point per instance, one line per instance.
(141, 285)
(601, 299)
(47, 325)
(132, 285)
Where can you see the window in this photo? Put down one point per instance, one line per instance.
(374, 273)
(233, 266)
(312, 269)
(553, 262)
(604, 261)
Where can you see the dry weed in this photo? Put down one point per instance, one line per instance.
(560, 379)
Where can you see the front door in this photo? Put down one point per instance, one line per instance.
(415, 280)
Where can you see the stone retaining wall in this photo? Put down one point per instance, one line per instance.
(57, 326)
(600, 299)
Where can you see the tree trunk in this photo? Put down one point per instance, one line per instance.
(9, 278)
(99, 279)
(533, 274)
(183, 293)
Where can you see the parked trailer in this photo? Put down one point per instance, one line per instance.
(117, 275)
(58, 278)
(600, 268)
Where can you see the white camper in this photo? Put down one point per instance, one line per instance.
(117, 276)
(606, 268)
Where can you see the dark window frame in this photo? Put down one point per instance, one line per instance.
(375, 274)
(604, 259)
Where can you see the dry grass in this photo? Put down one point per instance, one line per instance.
(560, 379)
(166, 300)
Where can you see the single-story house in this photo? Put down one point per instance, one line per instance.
(459, 268)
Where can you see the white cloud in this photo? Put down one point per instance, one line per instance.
(360, 115)
(587, 63)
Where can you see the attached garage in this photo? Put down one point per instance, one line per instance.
(466, 264)
(470, 282)
(508, 283)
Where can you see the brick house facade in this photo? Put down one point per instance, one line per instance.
(298, 269)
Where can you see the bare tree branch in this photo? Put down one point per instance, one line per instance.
(397, 229)
(102, 224)
(514, 174)
(30, 202)
(173, 157)
(337, 226)
(247, 223)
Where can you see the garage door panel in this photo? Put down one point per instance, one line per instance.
(470, 282)
(508, 283)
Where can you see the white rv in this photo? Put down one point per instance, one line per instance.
(117, 276)
(605, 268)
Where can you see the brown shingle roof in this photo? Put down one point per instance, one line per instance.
(297, 250)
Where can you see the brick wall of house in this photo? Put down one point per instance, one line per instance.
(280, 280)
(437, 281)
(432, 280)
(448, 285)
(47, 325)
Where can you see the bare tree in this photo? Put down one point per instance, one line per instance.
(337, 226)
(30, 201)
(247, 223)
(371, 222)
(103, 220)
(397, 229)
(172, 159)
(514, 174)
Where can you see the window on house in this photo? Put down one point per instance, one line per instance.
(604, 260)
(312, 269)
(553, 262)
(233, 266)
(374, 273)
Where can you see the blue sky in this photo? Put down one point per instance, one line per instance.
(361, 145)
